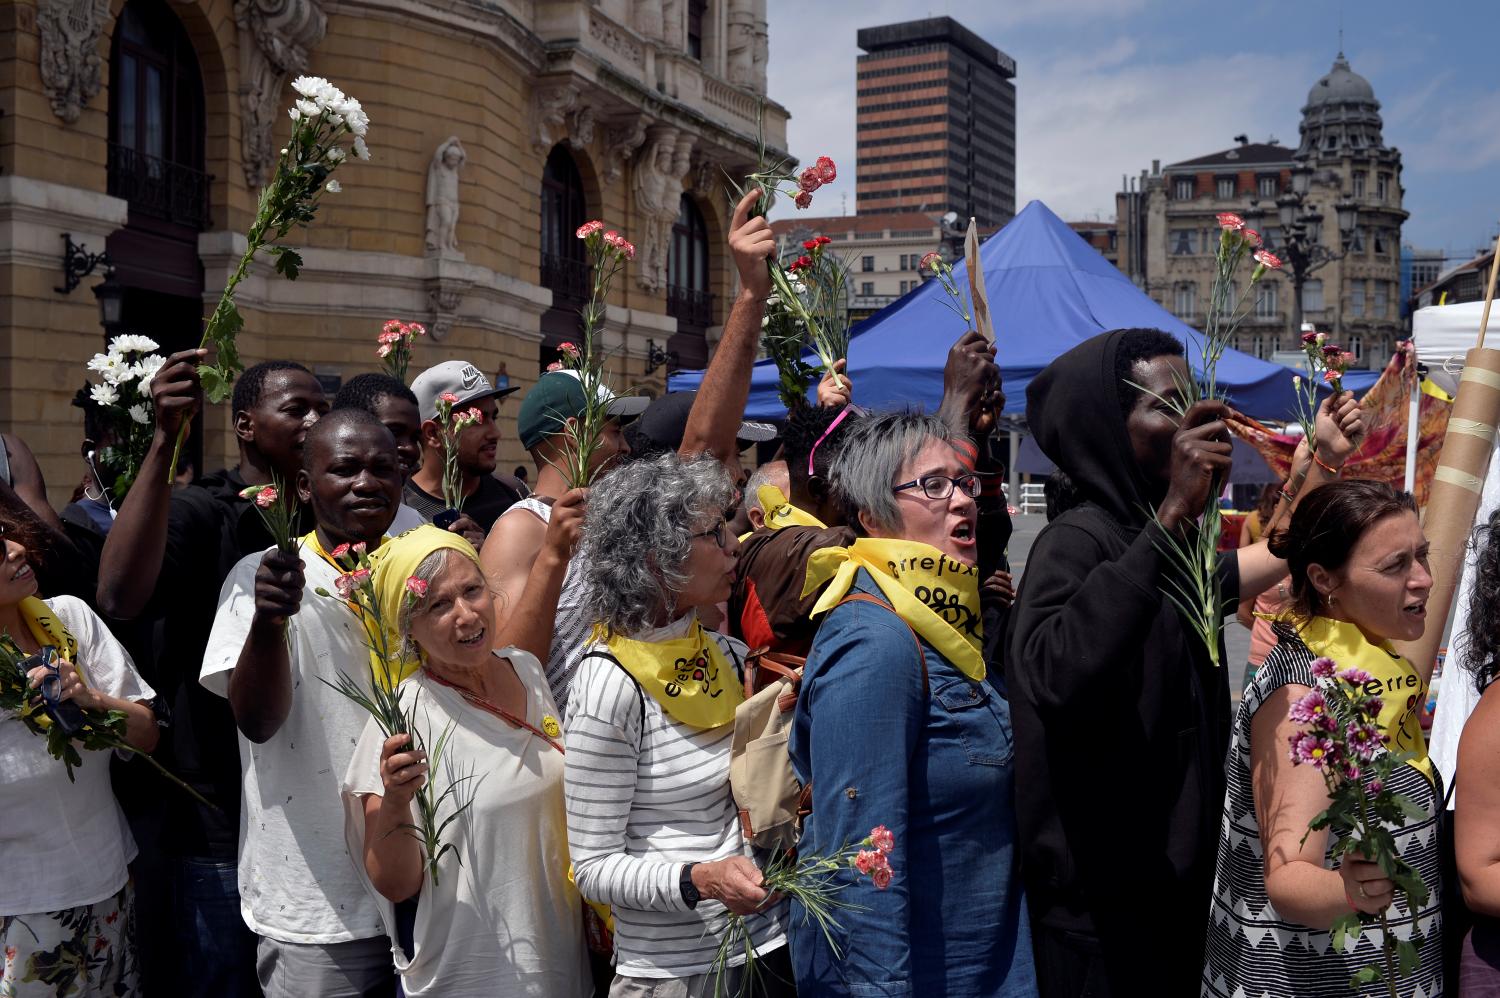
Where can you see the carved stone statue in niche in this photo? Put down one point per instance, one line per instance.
(69, 53)
(657, 192)
(554, 103)
(275, 39)
(621, 140)
(442, 197)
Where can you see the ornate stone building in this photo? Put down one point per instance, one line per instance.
(1167, 233)
(145, 128)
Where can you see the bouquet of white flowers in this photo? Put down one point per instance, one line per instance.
(123, 399)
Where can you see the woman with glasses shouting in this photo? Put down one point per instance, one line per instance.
(652, 824)
(66, 920)
(899, 724)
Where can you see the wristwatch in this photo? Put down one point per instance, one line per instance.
(690, 894)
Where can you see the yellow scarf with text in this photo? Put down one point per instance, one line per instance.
(936, 595)
(1400, 688)
(781, 513)
(689, 676)
(47, 629)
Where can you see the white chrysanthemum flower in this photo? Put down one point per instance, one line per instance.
(765, 322)
(104, 394)
(146, 370)
(140, 415)
(360, 149)
(332, 187)
(772, 300)
(133, 343)
(336, 154)
(309, 86)
(293, 113)
(102, 362)
(307, 108)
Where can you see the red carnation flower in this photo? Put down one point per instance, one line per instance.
(809, 180)
(804, 200)
(810, 245)
(827, 172)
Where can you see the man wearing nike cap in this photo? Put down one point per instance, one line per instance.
(485, 498)
(511, 552)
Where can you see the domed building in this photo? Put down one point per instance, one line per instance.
(1167, 231)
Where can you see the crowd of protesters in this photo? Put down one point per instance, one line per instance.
(1071, 809)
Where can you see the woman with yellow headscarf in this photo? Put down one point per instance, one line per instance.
(501, 917)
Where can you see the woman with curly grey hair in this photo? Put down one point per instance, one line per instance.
(898, 724)
(652, 825)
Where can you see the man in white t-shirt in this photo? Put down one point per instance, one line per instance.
(275, 648)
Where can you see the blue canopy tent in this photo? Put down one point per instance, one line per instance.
(1049, 290)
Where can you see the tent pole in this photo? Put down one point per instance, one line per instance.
(1413, 410)
(1014, 481)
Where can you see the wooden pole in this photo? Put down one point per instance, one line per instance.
(1458, 483)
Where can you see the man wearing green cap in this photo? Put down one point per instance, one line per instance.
(515, 544)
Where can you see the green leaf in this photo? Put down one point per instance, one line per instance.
(216, 387)
(1345, 931)
(288, 262)
(1406, 953)
(1365, 975)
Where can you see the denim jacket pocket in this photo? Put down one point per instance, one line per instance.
(982, 720)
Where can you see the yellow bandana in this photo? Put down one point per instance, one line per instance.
(781, 513)
(46, 629)
(936, 595)
(689, 676)
(1400, 687)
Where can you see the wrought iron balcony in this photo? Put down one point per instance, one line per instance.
(568, 278)
(690, 307)
(158, 187)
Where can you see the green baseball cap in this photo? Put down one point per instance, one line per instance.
(558, 397)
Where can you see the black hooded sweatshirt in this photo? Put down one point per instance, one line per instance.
(1121, 720)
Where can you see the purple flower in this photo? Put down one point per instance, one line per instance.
(1322, 668)
(1312, 750)
(1355, 677)
(1350, 770)
(1376, 786)
(1309, 708)
(1362, 739)
(1372, 706)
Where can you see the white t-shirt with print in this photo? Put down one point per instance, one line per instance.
(65, 844)
(297, 884)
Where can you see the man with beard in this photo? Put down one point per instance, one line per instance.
(485, 497)
(273, 653)
(1121, 719)
(163, 561)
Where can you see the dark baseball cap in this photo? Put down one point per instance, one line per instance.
(557, 397)
(458, 377)
(664, 423)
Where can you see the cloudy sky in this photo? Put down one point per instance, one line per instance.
(1106, 86)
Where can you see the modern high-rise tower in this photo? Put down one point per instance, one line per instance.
(936, 125)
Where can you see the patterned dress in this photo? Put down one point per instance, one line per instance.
(1253, 952)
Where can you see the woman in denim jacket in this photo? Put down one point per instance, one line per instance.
(898, 725)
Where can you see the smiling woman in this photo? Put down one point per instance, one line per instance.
(501, 916)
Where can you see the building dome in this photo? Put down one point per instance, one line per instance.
(1340, 85)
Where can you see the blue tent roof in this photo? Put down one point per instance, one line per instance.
(1049, 290)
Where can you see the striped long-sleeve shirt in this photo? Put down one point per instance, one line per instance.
(645, 796)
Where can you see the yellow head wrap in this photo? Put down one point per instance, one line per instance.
(391, 564)
(780, 512)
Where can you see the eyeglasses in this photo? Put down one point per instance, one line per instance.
(941, 486)
(717, 532)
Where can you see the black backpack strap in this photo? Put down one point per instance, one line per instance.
(640, 691)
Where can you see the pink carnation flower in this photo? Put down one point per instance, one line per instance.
(881, 878)
(358, 549)
(827, 171)
(867, 861)
(251, 492)
(1230, 221)
(809, 180)
(589, 228)
(392, 327)
(1252, 237)
(415, 329)
(339, 552)
(883, 838)
(556, 365)
(449, 397)
(384, 350)
(1267, 259)
(345, 585)
(266, 496)
(417, 587)
(804, 200)
(930, 261)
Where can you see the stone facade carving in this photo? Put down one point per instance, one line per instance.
(275, 39)
(69, 57)
(657, 189)
(616, 40)
(442, 198)
(621, 140)
(559, 113)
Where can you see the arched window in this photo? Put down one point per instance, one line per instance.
(156, 129)
(564, 265)
(688, 298)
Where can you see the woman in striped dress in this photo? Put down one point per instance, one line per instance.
(1359, 581)
(652, 826)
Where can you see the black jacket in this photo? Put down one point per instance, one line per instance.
(1121, 720)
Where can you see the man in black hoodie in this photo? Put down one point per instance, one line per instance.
(1121, 720)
